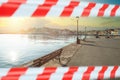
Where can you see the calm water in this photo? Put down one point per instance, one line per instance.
(16, 49)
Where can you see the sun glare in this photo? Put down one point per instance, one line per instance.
(12, 25)
(13, 56)
(16, 21)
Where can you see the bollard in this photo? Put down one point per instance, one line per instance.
(78, 41)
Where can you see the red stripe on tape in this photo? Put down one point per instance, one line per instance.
(69, 9)
(42, 10)
(7, 9)
(113, 72)
(14, 74)
(102, 10)
(17, 1)
(50, 2)
(68, 75)
(101, 73)
(86, 75)
(114, 10)
(46, 74)
(87, 10)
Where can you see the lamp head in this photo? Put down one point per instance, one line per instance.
(77, 17)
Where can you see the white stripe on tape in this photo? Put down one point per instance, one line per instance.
(108, 72)
(4, 71)
(108, 10)
(27, 9)
(80, 71)
(3, 1)
(118, 12)
(79, 9)
(32, 71)
(117, 74)
(35, 1)
(28, 77)
(56, 10)
(59, 70)
(95, 10)
(94, 74)
(63, 2)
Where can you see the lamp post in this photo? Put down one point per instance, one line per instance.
(85, 32)
(78, 40)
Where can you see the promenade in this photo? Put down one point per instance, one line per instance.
(92, 52)
(97, 52)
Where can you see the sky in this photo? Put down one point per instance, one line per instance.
(18, 24)
(103, 1)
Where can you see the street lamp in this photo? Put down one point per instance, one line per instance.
(85, 32)
(78, 40)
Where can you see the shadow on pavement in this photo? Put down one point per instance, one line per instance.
(99, 46)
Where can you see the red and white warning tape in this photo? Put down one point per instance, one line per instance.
(68, 8)
(61, 73)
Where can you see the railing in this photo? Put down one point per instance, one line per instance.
(42, 60)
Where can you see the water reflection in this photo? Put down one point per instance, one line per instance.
(13, 56)
(16, 49)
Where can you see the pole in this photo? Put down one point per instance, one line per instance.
(78, 40)
(77, 29)
(85, 33)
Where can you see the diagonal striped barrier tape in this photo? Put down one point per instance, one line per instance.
(61, 73)
(58, 8)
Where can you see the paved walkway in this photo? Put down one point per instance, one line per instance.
(97, 52)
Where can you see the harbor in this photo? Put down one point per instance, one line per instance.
(91, 52)
(58, 42)
(90, 48)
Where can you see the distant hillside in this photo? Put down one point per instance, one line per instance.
(51, 31)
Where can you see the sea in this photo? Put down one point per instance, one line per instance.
(17, 49)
